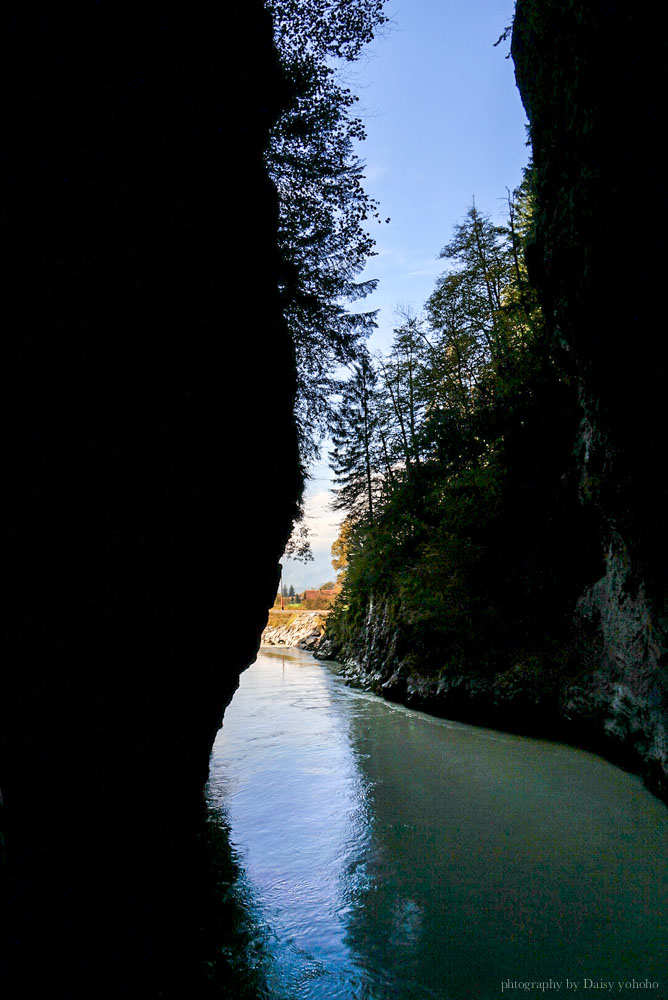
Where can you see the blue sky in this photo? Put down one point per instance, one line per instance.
(444, 124)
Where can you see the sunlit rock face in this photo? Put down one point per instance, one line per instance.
(150, 366)
(590, 75)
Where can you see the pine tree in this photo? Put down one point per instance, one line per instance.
(403, 385)
(456, 356)
(323, 207)
(355, 456)
(483, 260)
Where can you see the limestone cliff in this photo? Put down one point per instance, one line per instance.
(590, 76)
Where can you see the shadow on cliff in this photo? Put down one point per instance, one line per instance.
(591, 79)
(148, 360)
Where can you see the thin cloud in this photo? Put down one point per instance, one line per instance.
(432, 270)
(374, 171)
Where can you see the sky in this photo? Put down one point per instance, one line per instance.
(445, 124)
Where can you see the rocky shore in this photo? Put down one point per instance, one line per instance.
(597, 710)
(304, 629)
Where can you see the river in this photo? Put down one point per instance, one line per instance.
(383, 853)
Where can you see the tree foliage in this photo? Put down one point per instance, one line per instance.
(298, 547)
(323, 206)
(339, 550)
(475, 522)
(353, 429)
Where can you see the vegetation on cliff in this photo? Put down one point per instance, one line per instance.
(505, 480)
(452, 456)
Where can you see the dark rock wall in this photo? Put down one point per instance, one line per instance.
(591, 75)
(149, 367)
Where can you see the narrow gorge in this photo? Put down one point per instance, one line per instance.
(152, 357)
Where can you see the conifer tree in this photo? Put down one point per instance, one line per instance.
(456, 354)
(482, 261)
(355, 456)
(403, 382)
(323, 206)
(472, 426)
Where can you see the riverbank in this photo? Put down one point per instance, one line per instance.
(591, 711)
(304, 629)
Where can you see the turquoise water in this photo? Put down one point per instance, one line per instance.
(383, 853)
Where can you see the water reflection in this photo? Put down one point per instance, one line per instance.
(383, 853)
(284, 774)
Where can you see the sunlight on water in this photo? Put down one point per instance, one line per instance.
(388, 854)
